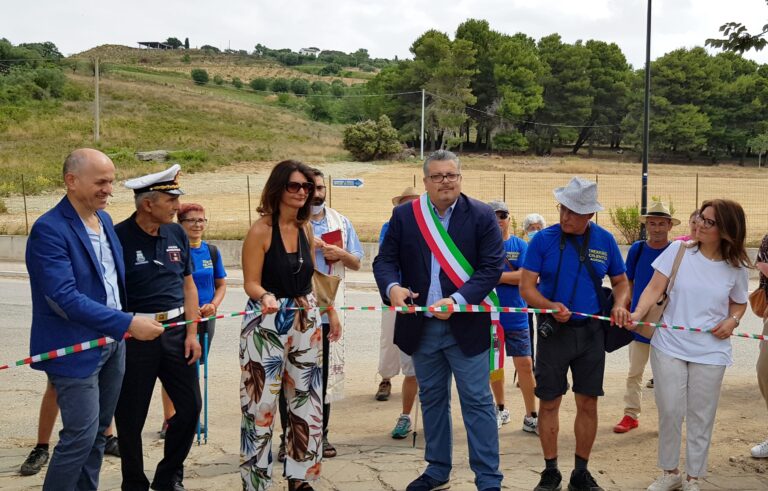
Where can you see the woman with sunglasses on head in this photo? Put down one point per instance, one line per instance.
(709, 292)
(210, 279)
(281, 341)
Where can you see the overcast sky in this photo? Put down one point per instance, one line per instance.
(387, 28)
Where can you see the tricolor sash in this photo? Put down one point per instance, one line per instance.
(458, 270)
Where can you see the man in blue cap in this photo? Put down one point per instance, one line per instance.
(160, 286)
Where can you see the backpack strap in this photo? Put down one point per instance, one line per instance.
(214, 252)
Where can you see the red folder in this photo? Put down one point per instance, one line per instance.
(333, 238)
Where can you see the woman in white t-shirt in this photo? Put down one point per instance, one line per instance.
(710, 292)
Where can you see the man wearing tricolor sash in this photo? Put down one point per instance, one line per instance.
(440, 250)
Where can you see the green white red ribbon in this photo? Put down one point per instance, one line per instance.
(95, 343)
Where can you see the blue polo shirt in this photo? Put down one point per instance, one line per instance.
(206, 272)
(155, 266)
(509, 295)
(639, 270)
(542, 258)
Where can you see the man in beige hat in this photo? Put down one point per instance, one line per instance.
(391, 360)
(658, 223)
(563, 268)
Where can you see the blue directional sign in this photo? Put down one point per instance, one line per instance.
(348, 183)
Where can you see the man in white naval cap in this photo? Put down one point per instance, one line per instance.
(159, 285)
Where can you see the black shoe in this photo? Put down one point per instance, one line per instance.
(111, 447)
(178, 486)
(297, 485)
(583, 481)
(550, 480)
(426, 483)
(35, 461)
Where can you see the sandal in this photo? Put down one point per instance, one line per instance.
(298, 485)
(329, 451)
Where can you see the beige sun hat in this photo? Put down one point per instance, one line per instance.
(659, 209)
(579, 196)
(409, 192)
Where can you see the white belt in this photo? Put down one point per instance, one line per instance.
(163, 316)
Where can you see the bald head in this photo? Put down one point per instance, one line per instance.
(77, 161)
(88, 176)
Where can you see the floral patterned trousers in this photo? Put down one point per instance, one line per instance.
(281, 351)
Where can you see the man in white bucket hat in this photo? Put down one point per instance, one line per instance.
(558, 272)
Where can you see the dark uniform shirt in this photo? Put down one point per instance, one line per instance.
(155, 266)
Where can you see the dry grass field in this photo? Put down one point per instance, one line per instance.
(526, 184)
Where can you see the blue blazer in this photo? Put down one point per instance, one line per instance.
(68, 294)
(404, 257)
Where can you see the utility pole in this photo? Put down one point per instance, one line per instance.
(96, 101)
(646, 120)
(422, 123)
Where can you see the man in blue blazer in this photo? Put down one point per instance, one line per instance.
(76, 276)
(444, 344)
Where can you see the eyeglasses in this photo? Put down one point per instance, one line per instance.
(565, 210)
(195, 221)
(438, 178)
(294, 187)
(705, 223)
(502, 215)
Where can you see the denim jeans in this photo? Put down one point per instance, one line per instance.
(437, 358)
(87, 406)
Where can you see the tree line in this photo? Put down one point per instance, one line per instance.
(489, 90)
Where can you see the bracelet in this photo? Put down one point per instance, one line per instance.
(261, 298)
(738, 321)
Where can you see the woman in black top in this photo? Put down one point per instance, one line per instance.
(281, 346)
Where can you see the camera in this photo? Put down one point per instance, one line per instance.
(548, 327)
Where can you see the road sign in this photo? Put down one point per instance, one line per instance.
(347, 183)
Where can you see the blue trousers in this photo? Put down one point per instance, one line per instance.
(87, 406)
(436, 360)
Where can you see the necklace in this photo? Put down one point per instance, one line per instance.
(300, 256)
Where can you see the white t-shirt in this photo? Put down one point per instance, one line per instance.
(699, 299)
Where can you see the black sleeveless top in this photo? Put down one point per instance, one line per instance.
(287, 274)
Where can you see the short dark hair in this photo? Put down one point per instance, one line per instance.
(275, 187)
(317, 172)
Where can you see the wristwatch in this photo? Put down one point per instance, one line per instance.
(736, 319)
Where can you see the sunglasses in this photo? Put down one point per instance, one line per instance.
(502, 215)
(294, 187)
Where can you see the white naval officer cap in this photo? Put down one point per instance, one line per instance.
(164, 181)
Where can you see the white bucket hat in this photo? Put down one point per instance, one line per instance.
(579, 196)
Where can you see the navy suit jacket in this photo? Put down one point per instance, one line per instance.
(68, 294)
(404, 257)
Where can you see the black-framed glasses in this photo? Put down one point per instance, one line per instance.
(705, 223)
(502, 215)
(195, 221)
(438, 178)
(294, 187)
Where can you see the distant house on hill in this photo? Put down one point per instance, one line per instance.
(154, 45)
(312, 51)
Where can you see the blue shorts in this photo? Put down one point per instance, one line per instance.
(517, 343)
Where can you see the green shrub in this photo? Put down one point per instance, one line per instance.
(280, 85)
(299, 86)
(237, 83)
(259, 84)
(330, 69)
(186, 58)
(320, 87)
(320, 109)
(218, 80)
(369, 140)
(200, 76)
(626, 219)
(338, 88)
(513, 141)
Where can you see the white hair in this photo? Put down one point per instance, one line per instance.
(532, 219)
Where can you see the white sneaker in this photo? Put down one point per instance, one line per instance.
(531, 424)
(760, 451)
(667, 482)
(692, 485)
(502, 417)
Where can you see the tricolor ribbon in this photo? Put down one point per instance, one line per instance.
(95, 343)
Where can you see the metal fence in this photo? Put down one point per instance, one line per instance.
(231, 199)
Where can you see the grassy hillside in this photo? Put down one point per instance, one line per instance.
(208, 127)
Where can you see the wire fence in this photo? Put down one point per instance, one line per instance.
(231, 199)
